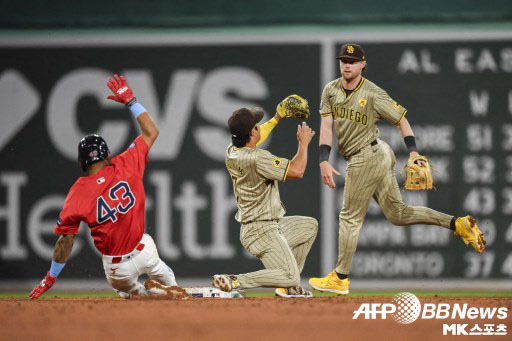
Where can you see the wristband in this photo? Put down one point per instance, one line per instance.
(410, 142)
(137, 109)
(132, 102)
(56, 268)
(325, 150)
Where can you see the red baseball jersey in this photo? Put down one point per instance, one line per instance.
(112, 202)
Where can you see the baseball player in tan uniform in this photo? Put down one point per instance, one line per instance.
(281, 243)
(354, 105)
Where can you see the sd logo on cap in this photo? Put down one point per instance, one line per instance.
(352, 52)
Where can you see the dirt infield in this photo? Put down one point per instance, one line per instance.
(222, 319)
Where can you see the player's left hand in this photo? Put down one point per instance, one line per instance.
(122, 92)
(420, 163)
(42, 287)
(293, 106)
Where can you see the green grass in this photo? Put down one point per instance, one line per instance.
(270, 293)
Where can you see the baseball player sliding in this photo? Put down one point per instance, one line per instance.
(111, 200)
(354, 105)
(281, 243)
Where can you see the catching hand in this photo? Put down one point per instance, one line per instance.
(293, 106)
(418, 173)
(122, 92)
(45, 284)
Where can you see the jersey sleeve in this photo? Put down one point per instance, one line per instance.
(265, 130)
(69, 220)
(388, 109)
(270, 166)
(325, 103)
(135, 157)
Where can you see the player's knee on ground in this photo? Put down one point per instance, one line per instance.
(125, 287)
(123, 294)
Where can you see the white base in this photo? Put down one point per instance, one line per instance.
(209, 292)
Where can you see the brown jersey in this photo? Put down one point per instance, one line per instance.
(255, 174)
(356, 115)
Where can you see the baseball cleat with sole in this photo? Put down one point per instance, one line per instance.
(225, 282)
(158, 289)
(330, 283)
(467, 229)
(294, 292)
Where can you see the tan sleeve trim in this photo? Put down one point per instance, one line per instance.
(401, 118)
(327, 114)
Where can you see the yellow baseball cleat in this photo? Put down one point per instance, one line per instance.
(330, 283)
(466, 228)
(294, 292)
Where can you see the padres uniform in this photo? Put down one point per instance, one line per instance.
(281, 243)
(371, 163)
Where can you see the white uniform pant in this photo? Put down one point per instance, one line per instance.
(123, 276)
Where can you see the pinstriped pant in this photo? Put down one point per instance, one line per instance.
(371, 173)
(282, 246)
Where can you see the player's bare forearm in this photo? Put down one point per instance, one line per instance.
(148, 127)
(326, 130)
(405, 128)
(326, 170)
(63, 248)
(299, 162)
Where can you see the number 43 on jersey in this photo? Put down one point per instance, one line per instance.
(119, 192)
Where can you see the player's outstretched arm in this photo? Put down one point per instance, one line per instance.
(149, 129)
(61, 254)
(326, 169)
(124, 94)
(267, 127)
(300, 160)
(407, 134)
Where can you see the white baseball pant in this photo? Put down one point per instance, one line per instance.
(122, 272)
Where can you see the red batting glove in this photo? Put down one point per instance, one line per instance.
(45, 284)
(122, 92)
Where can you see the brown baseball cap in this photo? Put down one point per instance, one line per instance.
(243, 120)
(351, 51)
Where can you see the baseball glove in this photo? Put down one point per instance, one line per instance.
(418, 177)
(293, 106)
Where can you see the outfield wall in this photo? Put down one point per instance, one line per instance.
(232, 13)
(456, 85)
